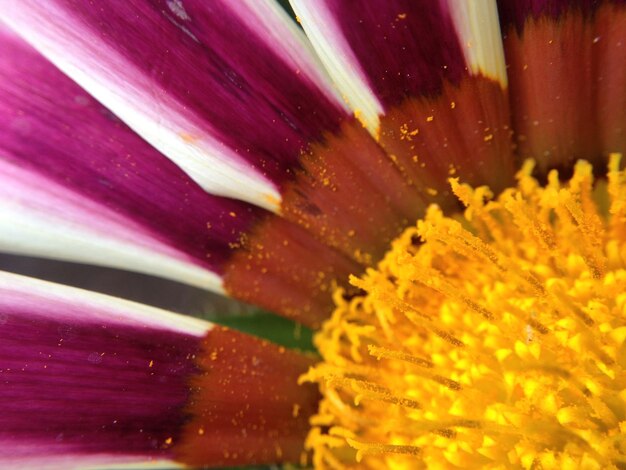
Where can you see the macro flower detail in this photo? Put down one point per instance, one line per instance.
(498, 341)
(433, 171)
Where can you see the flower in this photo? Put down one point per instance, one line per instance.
(213, 143)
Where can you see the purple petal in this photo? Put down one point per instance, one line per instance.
(89, 379)
(76, 183)
(204, 82)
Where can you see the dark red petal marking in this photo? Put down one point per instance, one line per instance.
(246, 407)
(353, 199)
(405, 47)
(54, 129)
(350, 194)
(566, 69)
(280, 267)
(462, 131)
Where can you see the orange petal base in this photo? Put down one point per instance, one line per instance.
(567, 77)
(465, 131)
(350, 194)
(246, 406)
(281, 268)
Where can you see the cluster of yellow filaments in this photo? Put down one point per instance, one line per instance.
(496, 339)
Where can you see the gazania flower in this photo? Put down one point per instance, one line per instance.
(389, 179)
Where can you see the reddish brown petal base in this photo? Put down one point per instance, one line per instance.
(281, 268)
(465, 131)
(350, 195)
(567, 85)
(610, 29)
(246, 407)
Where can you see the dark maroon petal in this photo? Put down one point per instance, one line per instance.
(254, 99)
(382, 53)
(55, 132)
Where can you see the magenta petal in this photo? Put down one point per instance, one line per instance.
(202, 81)
(404, 47)
(64, 156)
(89, 379)
(382, 53)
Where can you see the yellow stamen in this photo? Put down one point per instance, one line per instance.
(498, 341)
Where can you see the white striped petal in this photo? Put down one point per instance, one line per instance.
(340, 61)
(38, 217)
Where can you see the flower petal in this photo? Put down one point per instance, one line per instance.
(39, 217)
(568, 80)
(89, 379)
(203, 82)
(429, 80)
(281, 268)
(382, 52)
(77, 184)
(92, 380)
(248, 406)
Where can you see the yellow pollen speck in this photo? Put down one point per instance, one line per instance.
(430, 118)
(497, 342)
(406, 134)
(188, 138)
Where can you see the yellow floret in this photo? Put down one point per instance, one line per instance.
(492, 340)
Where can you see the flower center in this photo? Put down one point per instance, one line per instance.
(496, 341)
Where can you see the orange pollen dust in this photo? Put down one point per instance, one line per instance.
(492, 339)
